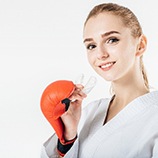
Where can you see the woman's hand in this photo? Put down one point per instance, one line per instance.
(72, 116)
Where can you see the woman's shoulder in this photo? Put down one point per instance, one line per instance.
(150, 99)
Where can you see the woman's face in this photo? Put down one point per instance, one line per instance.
(111, 49)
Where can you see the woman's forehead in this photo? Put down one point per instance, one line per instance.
(103, 23)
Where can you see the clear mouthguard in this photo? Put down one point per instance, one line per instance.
(89, 85)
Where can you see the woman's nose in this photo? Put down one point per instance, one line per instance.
(102, 53)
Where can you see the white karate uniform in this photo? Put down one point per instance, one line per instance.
(132, 133)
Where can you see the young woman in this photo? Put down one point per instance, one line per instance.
(125, 125)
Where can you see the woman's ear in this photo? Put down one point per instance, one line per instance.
(141, 45)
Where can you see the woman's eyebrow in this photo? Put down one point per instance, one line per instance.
(88, 40)
(103, 35)
(109, 33)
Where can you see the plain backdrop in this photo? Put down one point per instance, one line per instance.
(40, 42)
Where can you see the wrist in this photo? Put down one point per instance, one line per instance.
(69, 139)
(70, 136)
(64, 148)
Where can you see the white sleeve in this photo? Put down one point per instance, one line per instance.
(49, 149)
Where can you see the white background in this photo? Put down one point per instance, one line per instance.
(40, 42)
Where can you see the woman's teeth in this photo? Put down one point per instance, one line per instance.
(106, 65)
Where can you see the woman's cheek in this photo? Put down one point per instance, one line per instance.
(91, 60)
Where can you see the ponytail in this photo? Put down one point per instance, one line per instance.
(144, 73)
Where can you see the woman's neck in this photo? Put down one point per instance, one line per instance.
(123, 96)
(127, 92)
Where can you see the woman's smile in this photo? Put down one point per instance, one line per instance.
(106, 66)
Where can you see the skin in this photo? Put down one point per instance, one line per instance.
(115, 55)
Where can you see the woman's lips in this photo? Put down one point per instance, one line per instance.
(107, 66)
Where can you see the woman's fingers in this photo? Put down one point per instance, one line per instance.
(78, 93)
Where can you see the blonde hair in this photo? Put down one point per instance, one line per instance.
(129, 20)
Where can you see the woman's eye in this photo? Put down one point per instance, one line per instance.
(113, 40)
(91, 46)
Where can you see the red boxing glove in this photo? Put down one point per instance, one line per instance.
(54, 103)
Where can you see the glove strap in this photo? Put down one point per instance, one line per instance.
(64, 148)
(66, 101)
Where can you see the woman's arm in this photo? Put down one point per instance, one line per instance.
(68, 121)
